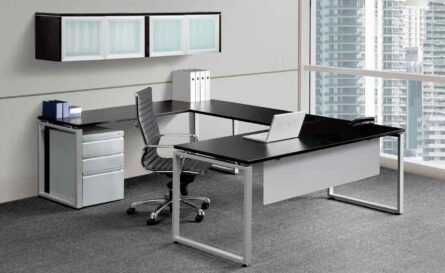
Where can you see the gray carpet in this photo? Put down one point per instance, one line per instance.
(305, 234)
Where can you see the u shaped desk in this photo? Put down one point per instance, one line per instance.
(328, 153)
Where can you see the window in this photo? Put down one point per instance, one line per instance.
(383, 58)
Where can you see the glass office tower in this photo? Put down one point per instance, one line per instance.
(341, 42)
(393, 92)
(433, 137)
(392, 35)
(402, 39)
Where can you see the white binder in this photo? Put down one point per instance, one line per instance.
(207, 80)
(198, 86)
(203, 85)
(184, 85)
(191, 85)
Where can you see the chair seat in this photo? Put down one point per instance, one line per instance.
(161, 164)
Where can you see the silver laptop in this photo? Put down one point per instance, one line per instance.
(284, 126)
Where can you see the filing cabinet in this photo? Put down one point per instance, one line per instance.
(86, 173)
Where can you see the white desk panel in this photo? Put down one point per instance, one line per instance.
(302, 174)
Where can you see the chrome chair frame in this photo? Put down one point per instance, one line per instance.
(166, 201)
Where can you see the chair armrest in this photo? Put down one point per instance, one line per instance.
(179, 135)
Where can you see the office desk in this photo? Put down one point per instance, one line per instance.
(216, 108)
(328, 153)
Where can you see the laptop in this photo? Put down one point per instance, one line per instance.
(284, 126)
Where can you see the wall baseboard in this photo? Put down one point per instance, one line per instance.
(414, 167)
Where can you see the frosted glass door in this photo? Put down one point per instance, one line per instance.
(166, 35)
(125, 37)
(82, 38)
(203, 33)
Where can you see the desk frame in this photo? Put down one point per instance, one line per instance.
(43, 131)
(372, 205)
(45, 126)
(246, 258)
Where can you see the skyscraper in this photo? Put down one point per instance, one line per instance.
(433, 137)
(393, 92)
(390, 35)
(341, 42)
(402, 38)
(415, 39)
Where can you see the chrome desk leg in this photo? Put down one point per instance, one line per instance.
(78, 199)
(246, 257)
(372, 205)
(193, 125)
(176, 201)
(41, 163)
(247, 235)
(79, 169)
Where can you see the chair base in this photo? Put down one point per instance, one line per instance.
(167, 202)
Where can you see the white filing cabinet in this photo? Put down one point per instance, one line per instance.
(101, 157)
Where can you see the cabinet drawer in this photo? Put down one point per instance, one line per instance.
(103, 147)
(97, 164)
(103, 188)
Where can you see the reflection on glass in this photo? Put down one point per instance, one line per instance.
(82, 38)
(125, 37)
(391, 35)
(202, 33)
(167, 35)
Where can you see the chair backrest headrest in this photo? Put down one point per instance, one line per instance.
(146, 118)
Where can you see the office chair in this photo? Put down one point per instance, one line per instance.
(152, 162)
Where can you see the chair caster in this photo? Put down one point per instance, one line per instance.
(152, 220)
(131, 211)
(200, 216)
(205, 205)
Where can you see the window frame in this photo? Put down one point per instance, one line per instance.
(306, 84)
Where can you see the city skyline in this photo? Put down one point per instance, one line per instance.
(392, 35)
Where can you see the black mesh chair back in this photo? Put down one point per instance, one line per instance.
(149, 128)
(146, 118)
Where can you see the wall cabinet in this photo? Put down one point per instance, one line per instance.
(125, 37)
(187, 34)
(82, 38)
(203, 33)
(167, 36)
(95, 38)
(79, 37)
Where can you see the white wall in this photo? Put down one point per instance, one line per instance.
(257, 66)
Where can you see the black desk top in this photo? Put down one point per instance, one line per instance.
(236, 111)
(224, 109)
(118, 114)
(317, 133)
